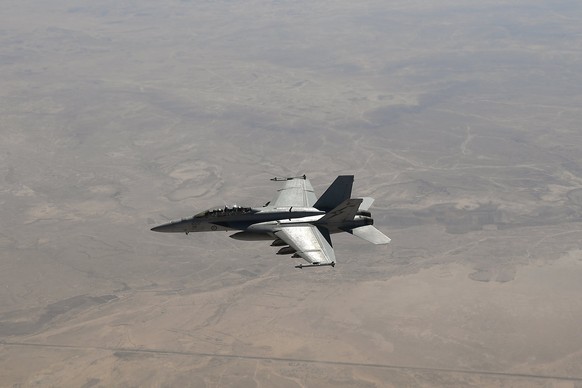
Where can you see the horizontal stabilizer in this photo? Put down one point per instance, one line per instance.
(371, 234)
(366, 203)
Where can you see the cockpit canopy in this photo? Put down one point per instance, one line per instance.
(223, 211)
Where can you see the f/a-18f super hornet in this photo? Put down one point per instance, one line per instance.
(295, 220)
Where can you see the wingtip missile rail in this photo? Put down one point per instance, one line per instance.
(282, 179)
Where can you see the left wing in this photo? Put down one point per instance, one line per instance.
(295, 192)
(313, 244)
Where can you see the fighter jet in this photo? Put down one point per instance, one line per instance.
(296, 221)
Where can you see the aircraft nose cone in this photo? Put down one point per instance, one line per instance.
(171, 227)
(159, 228)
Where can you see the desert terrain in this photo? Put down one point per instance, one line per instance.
(462, 119)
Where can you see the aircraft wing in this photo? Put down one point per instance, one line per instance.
(311, 243)
(295, 192)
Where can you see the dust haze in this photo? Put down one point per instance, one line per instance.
(461, 118)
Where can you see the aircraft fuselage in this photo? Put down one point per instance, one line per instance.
(257, 223)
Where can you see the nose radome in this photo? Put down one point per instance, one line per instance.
(174, 226)
(165, 228)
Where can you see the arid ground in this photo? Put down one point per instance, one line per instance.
(463, 119)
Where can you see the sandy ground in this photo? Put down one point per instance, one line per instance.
(461, 120)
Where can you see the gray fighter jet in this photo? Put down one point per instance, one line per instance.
(295, 220)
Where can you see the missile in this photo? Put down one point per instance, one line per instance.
(301, 266)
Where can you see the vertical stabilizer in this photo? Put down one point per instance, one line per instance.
(338, 192)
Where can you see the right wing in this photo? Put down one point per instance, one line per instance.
(295, 192)
(309, 242)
